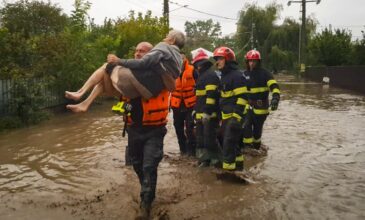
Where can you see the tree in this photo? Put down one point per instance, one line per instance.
(135, 29)
(32, 18)
(256, 22)
(331, 48)
(358, 54)
(202, 34)
(254, 27)
(79, 14)
(285, 38)
(23, 25)
(280, 59)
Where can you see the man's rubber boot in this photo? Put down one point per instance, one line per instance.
(229, 166)
(239, 162)
(145, 212)
(239, 166)
(127, 158)
(203, 164)
(257, 146)
(216, 163)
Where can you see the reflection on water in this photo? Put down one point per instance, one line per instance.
(317, 152)
(70, 153)
(314, 170)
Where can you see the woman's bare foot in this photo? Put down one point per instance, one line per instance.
(73, 95)
(79, 108)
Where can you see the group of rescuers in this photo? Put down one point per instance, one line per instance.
(218, 111)
(212, 102)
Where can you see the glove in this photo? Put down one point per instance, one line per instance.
(122, 108)
(275, 101)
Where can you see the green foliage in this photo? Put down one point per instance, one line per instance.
(331, 48)
(27, 101)
(358, 54)
(32, 18)
(282, 45)
(228, 41)
(285, 36)
(280, 59)
(135, 29)
(254, 27)
(278, 44)
(202, 34)
(19, 55)
(79, 15)
(66, 59)
(23, 25)
(258, 22)
(10, 122)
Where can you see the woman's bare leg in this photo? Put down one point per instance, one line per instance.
(102, 87)
(93, 80)
(84, 106)
(110, 83)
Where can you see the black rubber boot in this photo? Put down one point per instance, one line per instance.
(128, 160)
(239, 165)
(257, 146)
(202, 164)
(145, 211)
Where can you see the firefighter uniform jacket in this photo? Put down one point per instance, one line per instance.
(260, 83)
(185, 85)
(233, 92)
(207, 93)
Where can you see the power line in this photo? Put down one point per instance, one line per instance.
(345, 26)
(202, 12)
(175, 9)
(135, 4)
(197, 18)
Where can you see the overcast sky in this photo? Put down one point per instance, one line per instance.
(343, 14)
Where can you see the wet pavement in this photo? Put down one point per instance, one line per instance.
(72, 166)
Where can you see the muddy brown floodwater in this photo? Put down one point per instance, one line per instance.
(72, 167)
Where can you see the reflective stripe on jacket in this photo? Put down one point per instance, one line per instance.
(233, 93)
(260, 83)
(207, 93)
(185, 85)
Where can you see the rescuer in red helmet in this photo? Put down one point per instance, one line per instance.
(206, 111)
(232, 103)
(260, 83)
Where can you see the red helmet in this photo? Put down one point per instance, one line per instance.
(253, 55)
(225, 52)
(200, 55)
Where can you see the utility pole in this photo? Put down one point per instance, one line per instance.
(252, 36)
(252, 29)
(166, 12)
(299, 45)
(303, 36)
(303, 33)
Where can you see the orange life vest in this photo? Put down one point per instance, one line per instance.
(184, 88)
(155, 110)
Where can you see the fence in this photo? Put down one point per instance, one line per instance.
(348, 77)
(51, 95)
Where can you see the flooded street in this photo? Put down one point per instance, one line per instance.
(72, 166)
